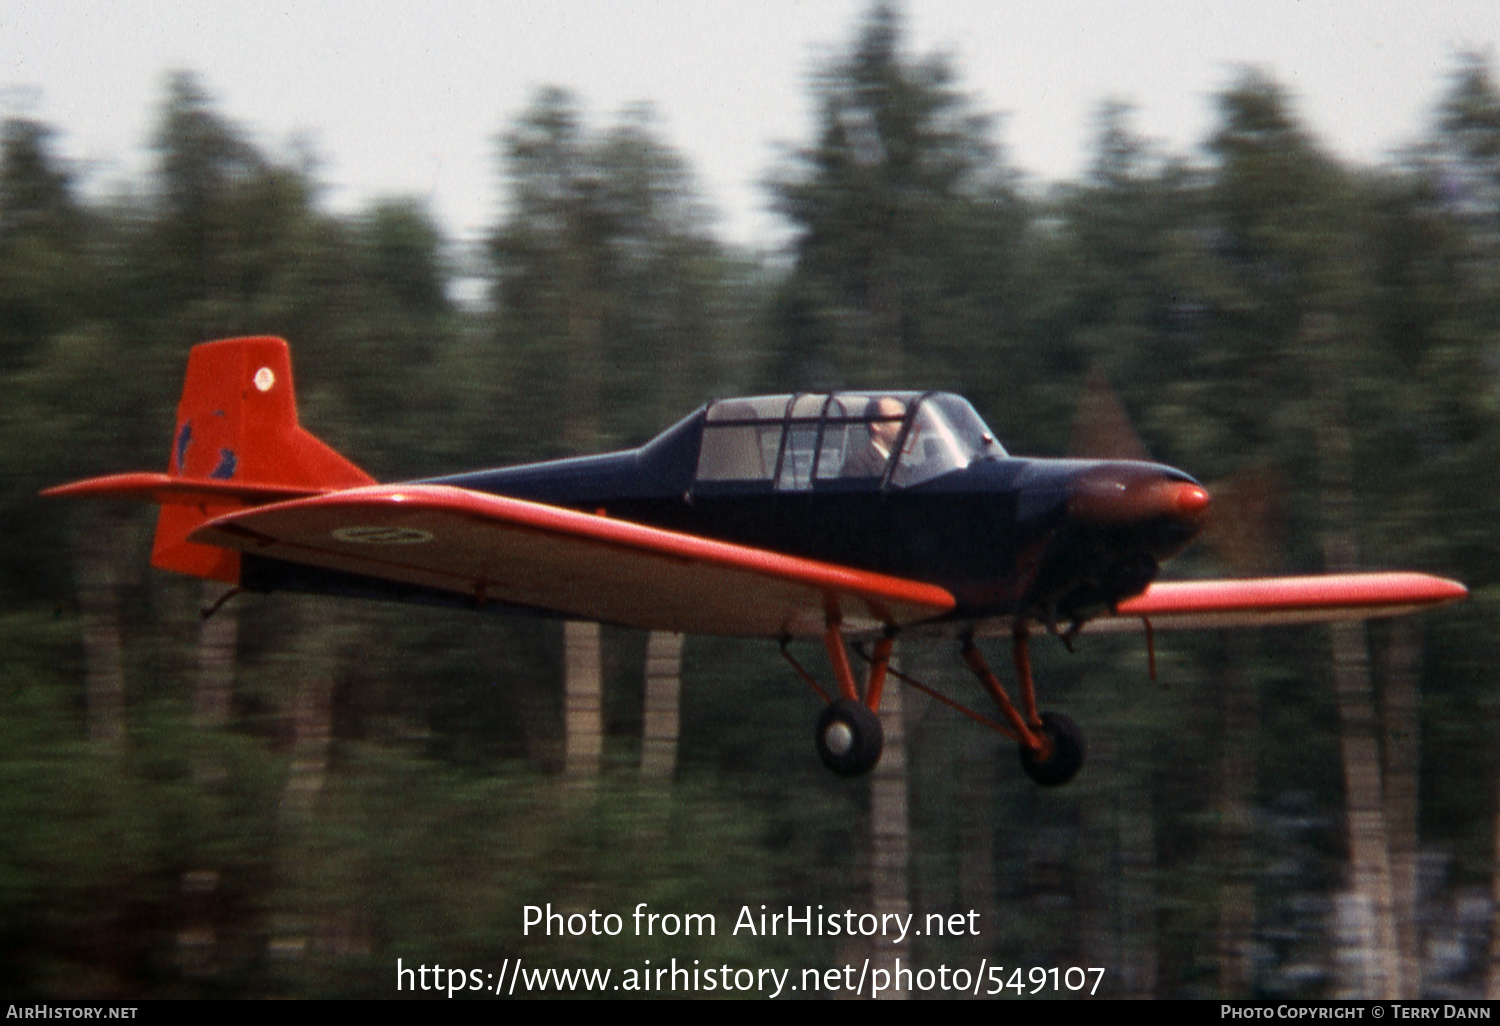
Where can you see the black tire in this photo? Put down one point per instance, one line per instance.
(1068, 750)
(849, 738)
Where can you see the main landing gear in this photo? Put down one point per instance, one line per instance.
(849, 736)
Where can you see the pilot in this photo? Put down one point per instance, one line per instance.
(871, 460)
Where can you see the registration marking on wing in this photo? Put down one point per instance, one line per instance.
(381, 535)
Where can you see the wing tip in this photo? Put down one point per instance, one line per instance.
(1266, 601)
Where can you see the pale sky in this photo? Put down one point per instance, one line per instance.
(409, 98)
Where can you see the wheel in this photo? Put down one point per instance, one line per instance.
(1068, 751)
(849, 738)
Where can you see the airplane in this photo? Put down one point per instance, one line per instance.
(837, 516)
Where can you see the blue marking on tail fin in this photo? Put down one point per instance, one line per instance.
(184, 438)
(225, 470)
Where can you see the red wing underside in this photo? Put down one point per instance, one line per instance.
(505, 550)
(1270, 601)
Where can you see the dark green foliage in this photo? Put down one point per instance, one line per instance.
(604, 272)
(905, 223)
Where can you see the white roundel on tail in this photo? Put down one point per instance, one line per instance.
(265, 378)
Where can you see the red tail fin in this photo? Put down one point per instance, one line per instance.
(237, 444)
(237, 421)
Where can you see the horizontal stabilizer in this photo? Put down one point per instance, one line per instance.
(164, 489)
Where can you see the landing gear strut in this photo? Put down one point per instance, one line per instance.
(1052, 747)
(849, 735)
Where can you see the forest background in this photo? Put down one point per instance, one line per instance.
(287, 797)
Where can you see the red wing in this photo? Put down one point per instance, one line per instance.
(1268, 601)
(505, 550)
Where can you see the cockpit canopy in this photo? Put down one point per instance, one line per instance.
(894, 438)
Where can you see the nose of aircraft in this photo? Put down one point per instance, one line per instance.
(1123, 495)
(1121, 520)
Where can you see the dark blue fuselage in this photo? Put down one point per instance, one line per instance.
(997, 534)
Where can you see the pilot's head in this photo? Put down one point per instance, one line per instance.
(890, 410)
